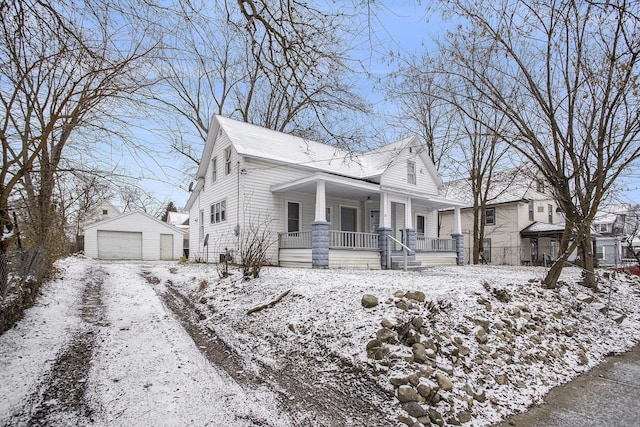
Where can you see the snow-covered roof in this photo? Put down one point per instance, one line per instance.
(506, 186)
(178, 218)
(609, 213)
(140, 213)
(543, 227)
(255, 141)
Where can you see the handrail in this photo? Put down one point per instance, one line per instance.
(405, 250)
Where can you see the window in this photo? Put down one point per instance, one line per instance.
(411, 172)
(485, 251)
(604, 228)
(227, 161)
(490, 216)
(530, 210)
(328, 214)
(550, 213)
(201, 225)
(218, 212)
(420, 225)
(214, 169)
(540, 184)
(105, 212)
(600, 252)
(293, 217)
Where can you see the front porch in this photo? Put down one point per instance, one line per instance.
(361, 224)
(360, 250)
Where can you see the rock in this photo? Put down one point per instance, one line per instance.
(386, 335)
(602, 308)
(402, 305)
(463, 350)
(414, 409)
(417, 322)
(481, 336)
(376, 350)
(415, 295)
(435, 417)
(617, 317)
(479, 395)
(414, 379)
(407, 393)
(398, 380)
(386, 323)
(398, 294)
(584, 298)
(425, 389)
(463, 417)
(582, 358)
(369, 301)
(444, 382)
(406, 420)
(568, 330)
(419, 353)
(501, 379)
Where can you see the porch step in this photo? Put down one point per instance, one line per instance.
(397, 262)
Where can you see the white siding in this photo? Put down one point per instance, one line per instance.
(396, 174)
(139, 222)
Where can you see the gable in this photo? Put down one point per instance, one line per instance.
(139, 218)
(397, 170)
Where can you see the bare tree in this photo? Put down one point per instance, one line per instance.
(65, 71)
(565, 74)
(278, 64)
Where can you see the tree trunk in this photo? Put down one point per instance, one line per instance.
(588, 261)
(564, 250)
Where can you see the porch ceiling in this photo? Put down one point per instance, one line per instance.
(335, 186)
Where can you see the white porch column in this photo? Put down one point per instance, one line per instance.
(385, 211)
(321, 202)
(408, 214)
(457, 222)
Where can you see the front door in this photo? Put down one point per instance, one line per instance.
(534, 251)
(348, 219)
(374, 221)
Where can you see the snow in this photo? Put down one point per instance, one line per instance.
(147, 369)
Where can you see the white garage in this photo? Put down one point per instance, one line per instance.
(133, 236)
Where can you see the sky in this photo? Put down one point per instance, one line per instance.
(403, 27)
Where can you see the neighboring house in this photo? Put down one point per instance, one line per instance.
(315, 204)
(522, 222)
(105, 210)
(612, 227)
(133, 236)
(181, 220)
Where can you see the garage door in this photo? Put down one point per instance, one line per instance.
(119, 245)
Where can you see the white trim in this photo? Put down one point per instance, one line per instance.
(349, 182)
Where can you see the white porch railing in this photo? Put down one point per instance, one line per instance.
(433, 244)
(353, 240)
(295, 240)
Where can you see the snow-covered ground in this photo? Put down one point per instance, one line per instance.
(145, 369)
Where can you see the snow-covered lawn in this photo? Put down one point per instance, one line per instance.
(145, 369)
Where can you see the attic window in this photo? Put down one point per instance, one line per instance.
(105, 212)
(540, 183)
(411, 172)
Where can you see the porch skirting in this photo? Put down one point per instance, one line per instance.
(338, 258)
(429, 259)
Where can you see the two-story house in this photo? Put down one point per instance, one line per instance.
(613, 227)
(522, 223)
(321, 206)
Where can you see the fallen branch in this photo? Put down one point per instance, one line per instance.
(270, 304)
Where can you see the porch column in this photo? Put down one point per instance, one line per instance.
(320, 230)
(321, 202)
(409, 232)
(384, 229)
(457, 236)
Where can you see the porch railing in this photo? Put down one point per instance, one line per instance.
(353, 240)
(295, 240)
(433, 244)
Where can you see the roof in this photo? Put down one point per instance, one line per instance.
(608, 214)
(257, 142)
(507, 186)
(132, 213)
(542, 229)
(178, 218)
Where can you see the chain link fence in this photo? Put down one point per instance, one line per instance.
(21, 274)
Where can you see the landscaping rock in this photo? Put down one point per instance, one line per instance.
(415, 295)
(481, 336)
(407, 393)
(369, 301)
(414, 409)
(386, 323)
(386, 335)
(376, 350)
(435, 417)
(444, 382)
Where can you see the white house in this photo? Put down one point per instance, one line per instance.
(320, 206)
(614, 226)
(522, 221)
(133, 236)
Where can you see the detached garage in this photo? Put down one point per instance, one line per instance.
(133, 236)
